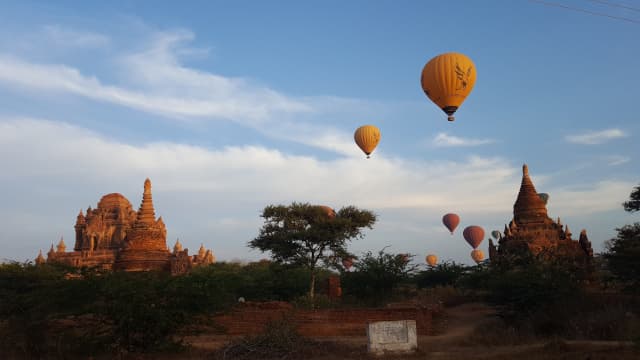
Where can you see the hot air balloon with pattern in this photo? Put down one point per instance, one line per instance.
(451, 221)
(367, 138)
(474, 235)
(447, 80)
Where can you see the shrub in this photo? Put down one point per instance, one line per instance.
(375, 277)
(443, 274)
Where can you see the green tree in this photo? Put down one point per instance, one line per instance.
(623, 251)
(305, 235)
(376, 276)
(444, 274)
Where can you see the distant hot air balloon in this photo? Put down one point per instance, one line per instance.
(367, 138)
(329, 211)
(431, 259)
(496, 234)
(544, 197)
(447, 80)
(451, 221)
(347, 263)
(404, 257)
(477, 255)
(474, 235)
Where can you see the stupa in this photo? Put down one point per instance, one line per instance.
(532, 230)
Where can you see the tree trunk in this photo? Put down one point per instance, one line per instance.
(312, 286)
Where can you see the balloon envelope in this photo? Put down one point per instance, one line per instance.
(447, 80)
(431, 259)
(544, 197)
(495, 234)
(347, 263)
(451, 221)
(367, 137)
(329, 211)
(474, 235)
(477, 255)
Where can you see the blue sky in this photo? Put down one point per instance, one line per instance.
(231, 106)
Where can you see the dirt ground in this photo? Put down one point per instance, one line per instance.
(457, 338)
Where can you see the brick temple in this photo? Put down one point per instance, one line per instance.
(532, 230)
(115, 237)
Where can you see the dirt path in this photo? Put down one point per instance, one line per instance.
(459, 322)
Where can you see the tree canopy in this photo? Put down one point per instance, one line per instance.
(623, 251)
(633, 204)
(304, 235)
(376, 276)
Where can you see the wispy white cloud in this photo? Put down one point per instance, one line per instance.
(596, 137)
(445, 140)
(601, 196)
(155, 81)
(231, 99)
(67, 37)
(615, 160)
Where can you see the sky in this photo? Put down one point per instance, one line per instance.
(232, 106)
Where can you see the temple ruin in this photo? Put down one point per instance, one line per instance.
(115, 237)
(532, 230)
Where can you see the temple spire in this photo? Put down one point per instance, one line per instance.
(62, 247)
(529, 208)
(146, 213)
(40, 259)
(80, 219)
(177, 247)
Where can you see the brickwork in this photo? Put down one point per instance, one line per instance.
(251, 318)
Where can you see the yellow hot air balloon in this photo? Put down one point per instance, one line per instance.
(447, 80)
(431, 259)
(477, 255)
(367, 137)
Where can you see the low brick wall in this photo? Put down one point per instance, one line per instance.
(251, 318)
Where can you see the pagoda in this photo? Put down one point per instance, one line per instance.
(532, 230)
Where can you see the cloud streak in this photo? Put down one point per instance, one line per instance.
(596, 137)
(445, 140)
(67, 37)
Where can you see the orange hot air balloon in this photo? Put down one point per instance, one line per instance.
(329, 211)
(347, 263)
(477, 255)
(447, 80)
(474, 235)
(367, 137)
(451, 221)
(431, 259)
